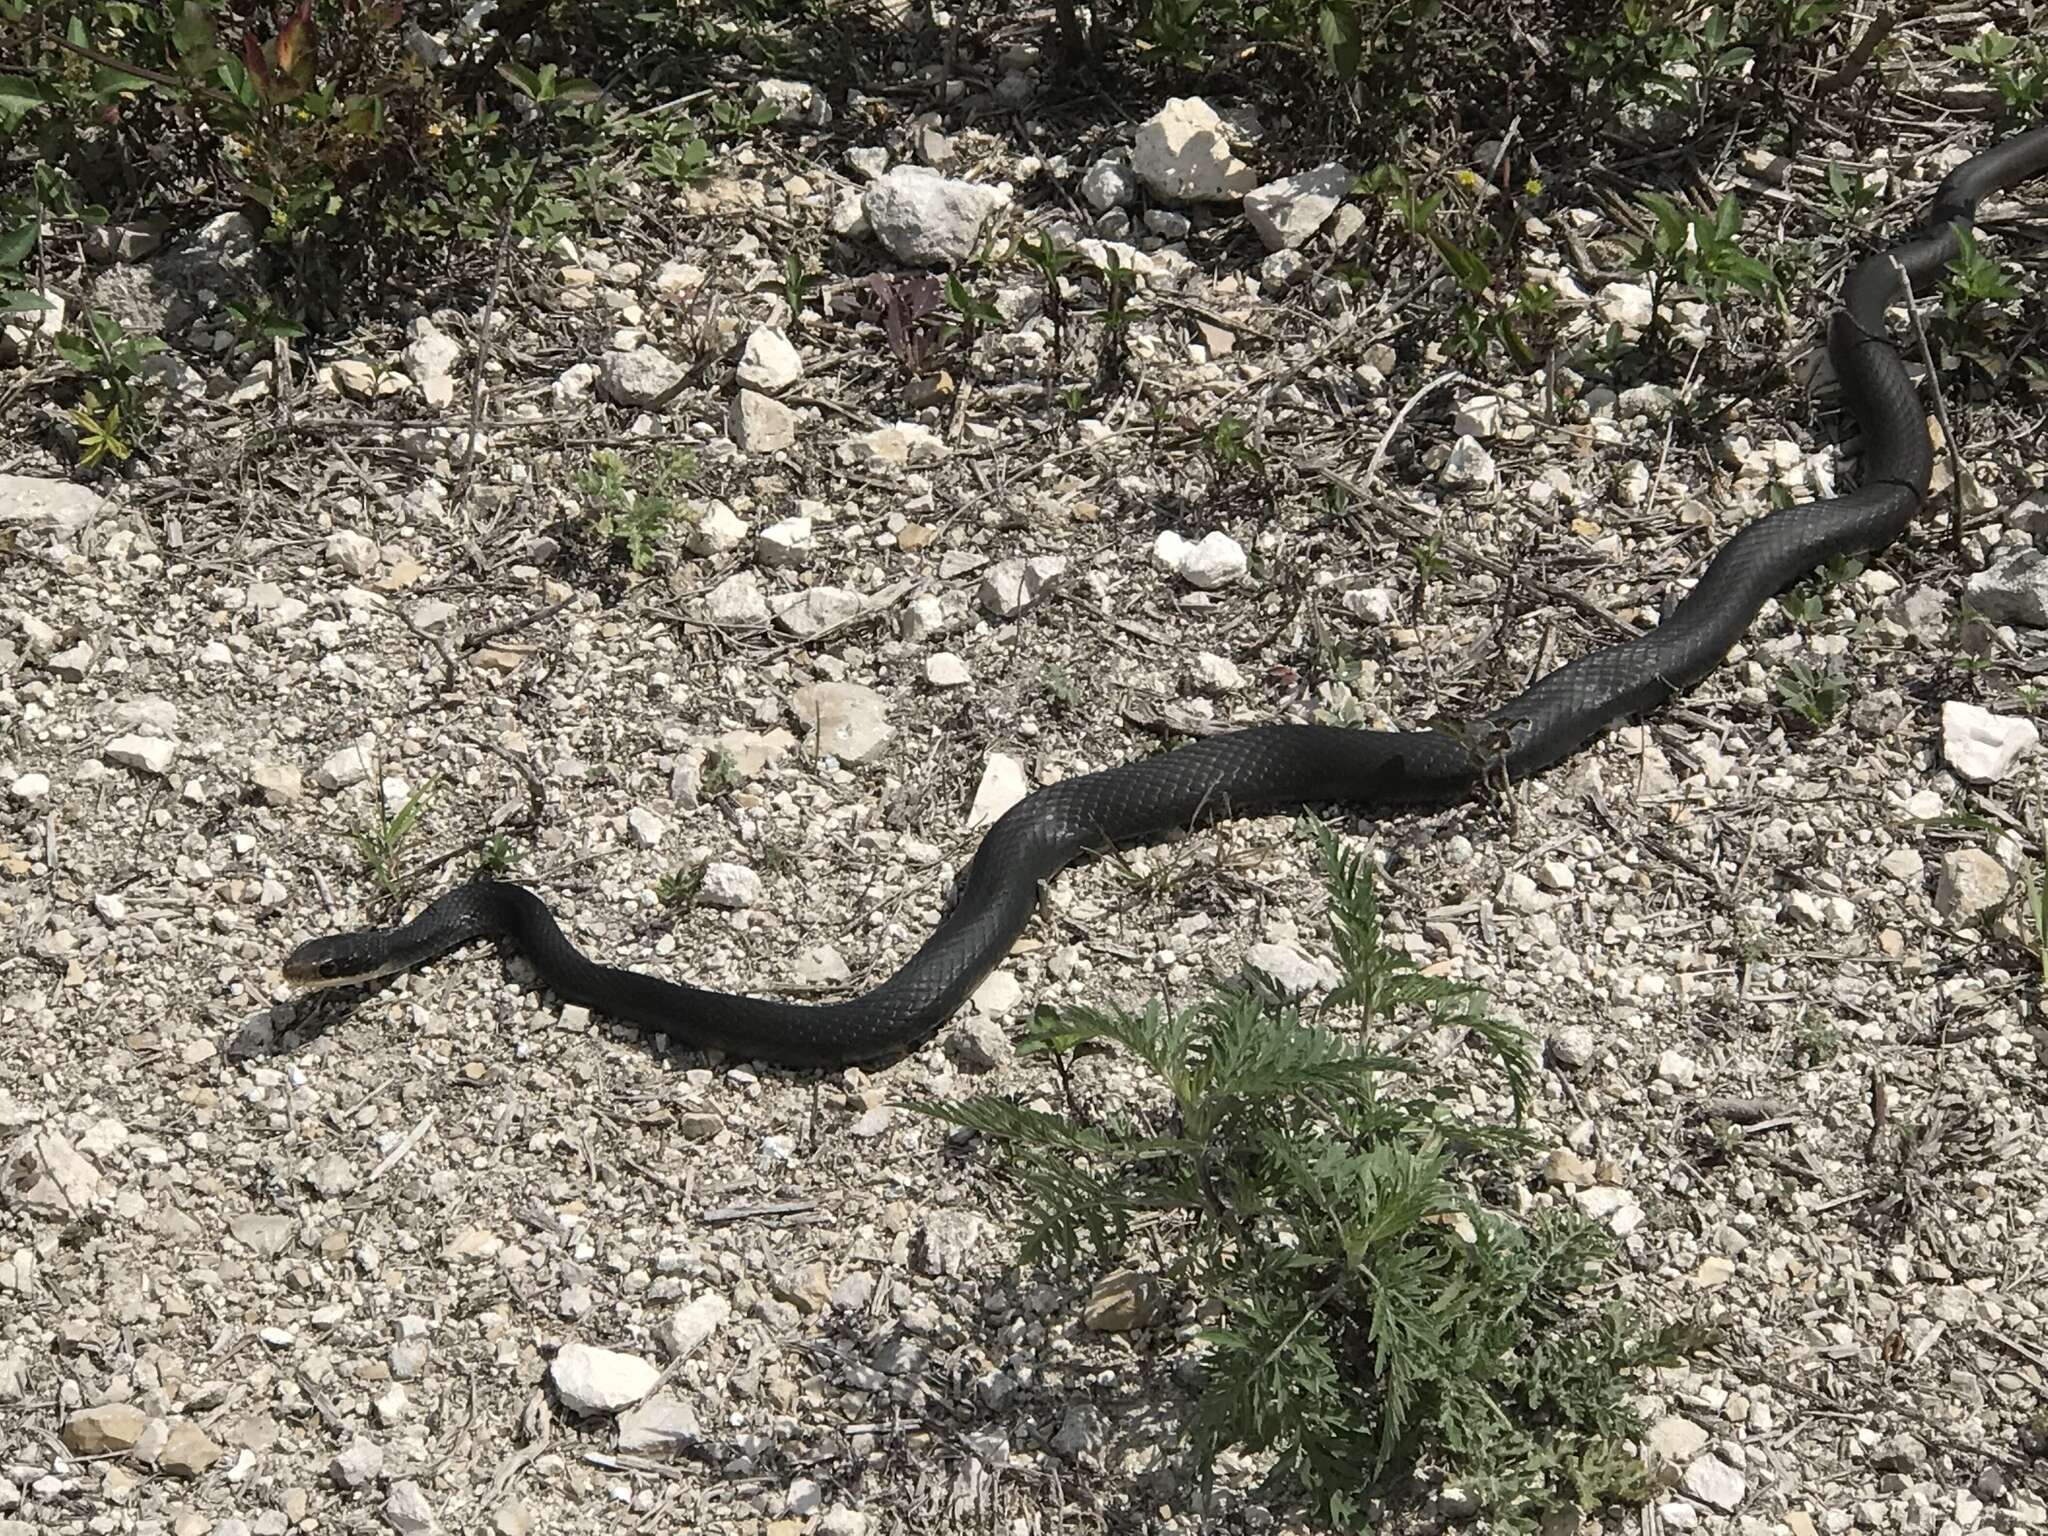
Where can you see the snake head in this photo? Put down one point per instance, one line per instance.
(336, 960)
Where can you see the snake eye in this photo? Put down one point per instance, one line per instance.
(327, 970)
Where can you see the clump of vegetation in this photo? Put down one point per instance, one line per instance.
(1815, 694)
(119, 403)
(2017, 69)
(385, 843)
(1972, 326)
(1375, 1317)
(636, 518)
(1698, 253)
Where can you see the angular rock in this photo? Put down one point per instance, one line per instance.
(948, 1240)
(55, 511)
(1972, 884)
(716, 529)
(1980, 746)
(353, 552)
(148, 754)
(359, 1466)
(2014, 591)
(817, 609)
(1182, 153)
(787, 543)
(347, 768)
(1469, 467)
(1288, 211)
(187, 1452)
(1215, 561)
(850, 721)
(1673, 1442)
(46, 1175)
(927, 219)
(1627, 305)
(978, 1042)
(760, 424)
(1574, 1046)
(430, 357)
(737, 600)
(1003, 783)
(111, 1427)
(769, 362)
(1109, 183)
(265, 1236)
(730, 886)
(1712, 1481)
(664, 1422)
(1208, 673)
(794, 101)
(1122, 1301)
(1295, 973)
(943, 669)
(690, 1326)
(593, 1381)
(407, 1511)
(646, 828)
(638, 378)
(1012, 586)
(998, 993)
(906, 442)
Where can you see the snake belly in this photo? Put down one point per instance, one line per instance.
(1273, 766)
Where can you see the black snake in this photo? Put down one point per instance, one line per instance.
(1277, 765)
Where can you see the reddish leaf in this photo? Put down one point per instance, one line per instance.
(296, 46)
(257, 65)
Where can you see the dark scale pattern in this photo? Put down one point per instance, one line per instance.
(1276, 765)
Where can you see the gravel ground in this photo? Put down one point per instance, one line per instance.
(448, 1253)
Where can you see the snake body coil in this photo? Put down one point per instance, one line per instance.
(1275, 765)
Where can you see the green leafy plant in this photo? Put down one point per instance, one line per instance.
(1815, 694)
(678, 153)
(1630, 62)
(382, 843)
(17, 245)
(1850, 195)
(1970, 324)
(1815, 1042)
(1519, 322)
(968, 313)
(635, 518)
(1311, 1185)
(797, 283)
(1050, 258)
(2017, 69)
(1230, 445)
(119, 403)
(1973, 278)
(677, 890)
(259, 322)
(1807, 601)
(1119, 283)
(1066, 695)
(721, 774)
(1431, 563)
(1701, 253)
(737, 117)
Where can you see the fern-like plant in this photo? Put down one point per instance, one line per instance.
(1315, 1182)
